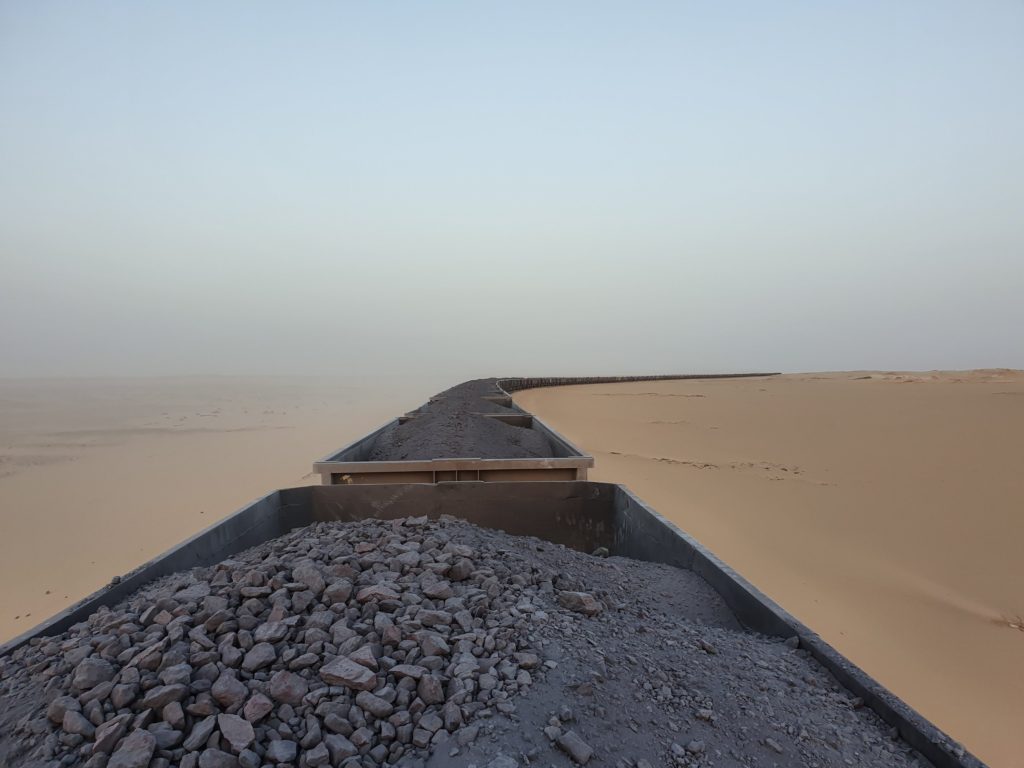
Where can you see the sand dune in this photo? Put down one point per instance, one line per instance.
(99, 475)
(882, 509)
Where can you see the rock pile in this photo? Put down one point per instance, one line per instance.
(436, 644)
(451, 426)
(357, 644)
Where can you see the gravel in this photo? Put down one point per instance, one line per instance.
(450, 427)
(353, 644)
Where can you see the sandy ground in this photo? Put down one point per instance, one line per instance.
(98, 475)
(885, 510)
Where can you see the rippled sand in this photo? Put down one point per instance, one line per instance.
(99, 475)
(885, 510)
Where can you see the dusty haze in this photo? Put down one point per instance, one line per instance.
(351, 188)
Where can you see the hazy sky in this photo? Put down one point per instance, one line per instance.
(516, 187)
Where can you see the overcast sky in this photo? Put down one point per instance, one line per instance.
(516, 187)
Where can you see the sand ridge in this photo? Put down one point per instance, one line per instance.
(880, 508)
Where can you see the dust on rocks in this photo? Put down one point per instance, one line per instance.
(426, 643)
(451, 425)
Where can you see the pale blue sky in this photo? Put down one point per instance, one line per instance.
(530, 187)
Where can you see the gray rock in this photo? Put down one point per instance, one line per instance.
(135, 750)
(431, 722)
(123, 694)
(194, 593)
(162, 695)
(376, 592)
(364, 655)
(433, 644)
(174, 715)
(91, 672)
(215, 758)
(76, 722)
(60, 705)
(257, 707)
(344, 671)
(317, 756)
(282, 751)
(440, 590)
(217, 619)
(93, 710)
(409, 559)
(238, 731)
(76, 655)
(314, 734)
(98, 693)
(527, 660)
(487, 683)
(288, 687)
(271, 632)
(301, 601)
(111, 732)
(338, 592)
(581, 602)
(421, 737)
(304, 661)
(570, 743)
(200, 733)
(229, 691)
(452, 714)
(708, 647)
(321, 620)
(461, 570)
(430, 690)
(434, 618)
(362, 738)
(408, 670)
(340, 632)
(336, 723)
(176, 674)
(231, 656)
(308, 574)
(339, 747)
(259, 656)
(375, 705)
(166, 737)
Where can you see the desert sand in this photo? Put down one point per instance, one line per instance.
(99, 475)
(885, 510)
